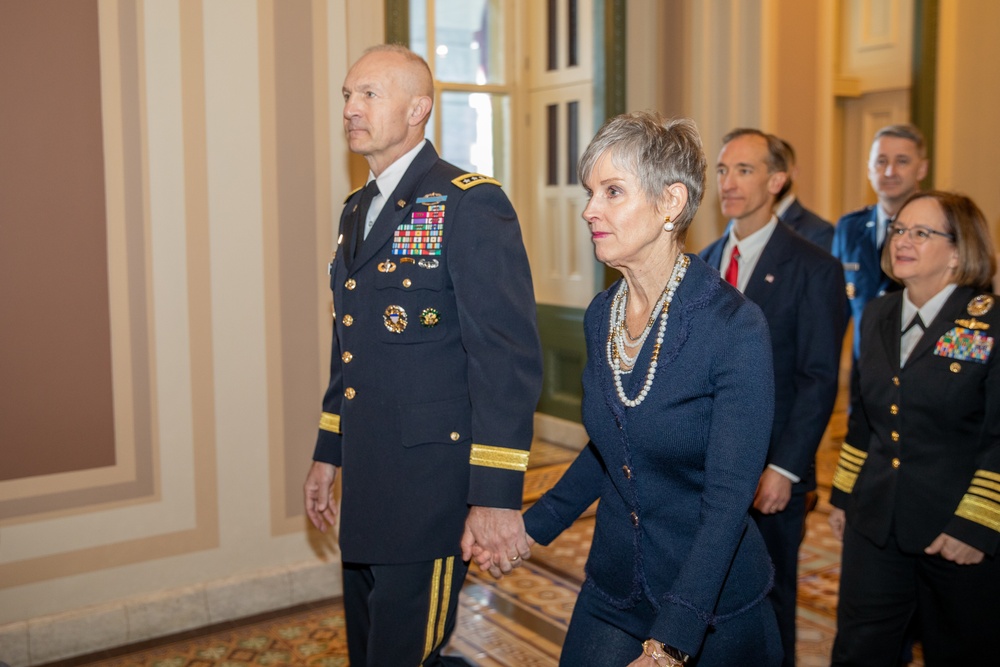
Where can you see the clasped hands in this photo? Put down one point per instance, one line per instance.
(496, 539)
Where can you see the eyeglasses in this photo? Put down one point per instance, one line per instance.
(919, 234)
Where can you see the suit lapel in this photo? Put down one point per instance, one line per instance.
(889, 331)
(397, 206)
(714, 257)
(768, 275)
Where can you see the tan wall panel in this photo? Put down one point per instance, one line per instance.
(55, 352)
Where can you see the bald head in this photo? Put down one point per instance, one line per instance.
(412, 71)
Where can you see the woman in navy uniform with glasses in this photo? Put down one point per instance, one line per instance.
(917, 488)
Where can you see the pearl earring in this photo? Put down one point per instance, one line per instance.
(667, 225)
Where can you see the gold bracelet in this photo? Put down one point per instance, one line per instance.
(660, 655)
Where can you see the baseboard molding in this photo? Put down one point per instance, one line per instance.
(560, 431)
(88, 630)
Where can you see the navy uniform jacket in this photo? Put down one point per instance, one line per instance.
(922, 455)
(435, 369)
(800, 288)
(808, 225)
(676, 474)
(855, 244)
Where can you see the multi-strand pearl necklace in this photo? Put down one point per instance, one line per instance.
(617, 332)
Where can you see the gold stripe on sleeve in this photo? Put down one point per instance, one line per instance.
(848, 466)
(987, 474)
(499, 457)
(329, 422)
(980, 510)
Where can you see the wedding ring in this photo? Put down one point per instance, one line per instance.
(514, 558)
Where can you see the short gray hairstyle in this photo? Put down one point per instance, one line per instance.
(905, 131)
(659, 152)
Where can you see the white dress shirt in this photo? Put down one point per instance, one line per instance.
(387, 182)
(927, 313)
(750, 247)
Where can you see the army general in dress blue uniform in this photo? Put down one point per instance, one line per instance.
(434, 376)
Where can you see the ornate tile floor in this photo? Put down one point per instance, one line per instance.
(517, 622)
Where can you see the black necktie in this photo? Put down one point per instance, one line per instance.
(915, 322)
(360, 216)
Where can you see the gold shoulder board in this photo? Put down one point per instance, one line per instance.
(351, 193)
(466, 181)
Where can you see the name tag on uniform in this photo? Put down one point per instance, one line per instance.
(852, 266)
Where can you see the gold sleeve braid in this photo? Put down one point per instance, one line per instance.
(981, 503)
(499, 457)
(848, 467)
(330, 422)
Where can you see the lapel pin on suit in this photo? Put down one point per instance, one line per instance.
(769, 278)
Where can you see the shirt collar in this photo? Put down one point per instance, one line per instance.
(929, 310)
(393, 174)
(784, 205)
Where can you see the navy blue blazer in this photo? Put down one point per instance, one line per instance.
(855, 244)
(433, 322)
(922, 454)
(808, 225)
(800, 288)
(676, 474)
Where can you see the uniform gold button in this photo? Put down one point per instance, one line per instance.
(894, 409)
(407, 282)
(955, 367)
(635, 519)
(351, 283)
(627, 471)
(346, 357)
(895, 381)
(455, 436)
(350, 393)
(348, 320)
(895, 463)
(895, 436)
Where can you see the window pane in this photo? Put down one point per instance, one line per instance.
(469, 41)
(478, 130)
(552, 36)
(572, 41)
(418, 27)
(552, 144)
(572, 145)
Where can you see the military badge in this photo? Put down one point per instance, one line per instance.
(964, 345)
(395, 319)
(851, 290)
(980, 305)
(428, 263)
(973, 324)
(422, 233)
(386, 267)
(429, 317)
(852, 266)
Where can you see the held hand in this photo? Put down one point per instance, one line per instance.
(643, 661)
(317, 489)
(956, 551)
(500, 535)
(774, 490)
(838, 520)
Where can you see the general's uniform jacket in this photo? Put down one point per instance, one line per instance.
(855, 244)
(676, 474)
(922, 455)
(436, 366)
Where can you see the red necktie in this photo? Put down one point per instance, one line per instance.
(733, 271)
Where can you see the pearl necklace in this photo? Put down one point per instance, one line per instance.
(615, 349)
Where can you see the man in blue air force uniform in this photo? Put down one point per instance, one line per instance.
(434, 376)
(896, 165)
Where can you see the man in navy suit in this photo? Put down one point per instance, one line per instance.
(791, 212)
(434, 374)
(800, 288)
(896, 165)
